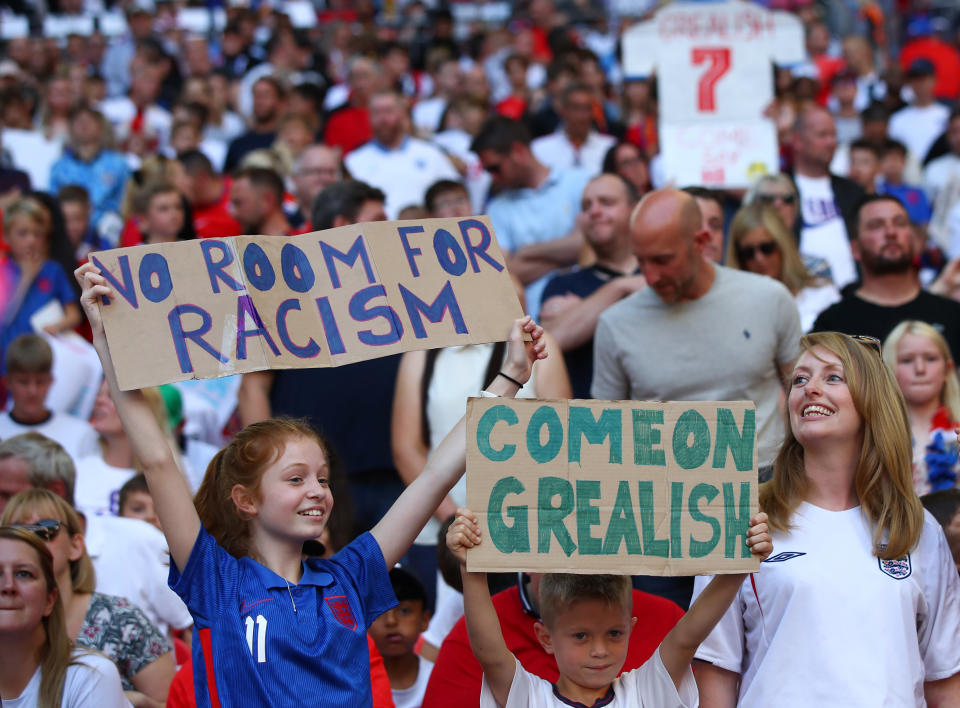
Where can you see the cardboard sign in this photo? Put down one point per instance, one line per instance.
(215, 307)
(634, 487)
(714, 66)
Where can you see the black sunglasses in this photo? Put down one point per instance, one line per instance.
(46, 529)
(868, 341)
(748, 253)
(771, 198)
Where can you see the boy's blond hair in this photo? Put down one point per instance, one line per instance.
(560, 591)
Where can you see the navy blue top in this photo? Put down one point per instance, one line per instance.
(250, 648)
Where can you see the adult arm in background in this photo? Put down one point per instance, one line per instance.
(253, 397)
(572, 320)
(406, 426)
(152, 682)
(944, 693)
(718, 687)
(532, 262)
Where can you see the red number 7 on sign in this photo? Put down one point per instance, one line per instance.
(719, 58)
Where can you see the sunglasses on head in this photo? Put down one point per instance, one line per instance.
(748, 253)
(869, 342)
(771, 198)
(46, 529)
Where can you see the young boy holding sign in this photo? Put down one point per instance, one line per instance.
(586, 624)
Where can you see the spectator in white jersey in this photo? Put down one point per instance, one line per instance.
(576, 143)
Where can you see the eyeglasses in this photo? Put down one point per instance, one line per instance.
(46, 529)
(868, 341)
(748, 253)
(771, 198)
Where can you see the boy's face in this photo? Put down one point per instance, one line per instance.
(26, 240)
(396, 631)
(29, 393)
(76, 216)
(139, 505)
(892, 166)
(589, 640)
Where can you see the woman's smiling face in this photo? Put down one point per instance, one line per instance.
(819, 403)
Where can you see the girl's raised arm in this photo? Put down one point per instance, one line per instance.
(408, 515)
(166, 481)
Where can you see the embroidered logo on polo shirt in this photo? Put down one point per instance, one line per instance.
(898, 568)
(785, 556)
(340, 607)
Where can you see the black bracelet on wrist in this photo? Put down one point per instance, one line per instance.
(510, 379)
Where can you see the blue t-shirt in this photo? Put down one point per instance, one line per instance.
(50, 284)
(251, 649)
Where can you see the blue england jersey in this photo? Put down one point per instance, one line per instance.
(251, 648)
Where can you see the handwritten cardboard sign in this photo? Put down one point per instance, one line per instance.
(632, 487)
(215, 307)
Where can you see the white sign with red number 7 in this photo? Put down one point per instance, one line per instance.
(714, 65)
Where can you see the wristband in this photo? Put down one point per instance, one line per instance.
(510, 379)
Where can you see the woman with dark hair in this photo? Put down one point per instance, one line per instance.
(41, 666)
(859, 608)
(627, 160)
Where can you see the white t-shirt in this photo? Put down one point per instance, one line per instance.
(449, 610)
(918, 128)
(412, 697)
(76, 436)
(823, 233)
(838, 626)
(92, 680)
(404, 174)
(813, 300)
(98, 485)
(557, 152)
(649, 685)
(131, 560)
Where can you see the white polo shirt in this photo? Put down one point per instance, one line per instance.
(557, 152)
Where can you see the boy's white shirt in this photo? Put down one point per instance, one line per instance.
(412, 697)
(649, 685)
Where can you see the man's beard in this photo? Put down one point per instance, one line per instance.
(878, 264)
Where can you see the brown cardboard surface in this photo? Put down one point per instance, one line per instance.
(632, 487)
(325, 298)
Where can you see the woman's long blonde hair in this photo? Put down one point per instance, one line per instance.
(48, 505)
(884, 475)
(950, 393)
(57, 652)
(793, 272)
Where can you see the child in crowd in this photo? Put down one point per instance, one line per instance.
(945, 507)
(28, 364)
(37, 282)
(75, 202)
(586, 624)
(395, 633)
(136, 502)
(162, 212)
(270, 626)
(892, 165)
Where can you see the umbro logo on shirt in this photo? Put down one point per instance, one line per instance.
(785, 556)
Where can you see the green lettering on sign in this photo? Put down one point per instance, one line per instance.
(550, 518)
(514, 537)
(645, 437)
(652, 546)
(736, 522)
(588, 515)
(490, 418)
(707, 492)
(691, 454)
(544, 452)
(740, 443)
(583, 425)
(623, 525)
(676, 513)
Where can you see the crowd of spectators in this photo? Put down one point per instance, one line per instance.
(153, 121)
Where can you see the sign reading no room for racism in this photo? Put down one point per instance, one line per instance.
(215, 307)
(631, 487)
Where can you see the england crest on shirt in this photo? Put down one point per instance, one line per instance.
(898, 568)
(340, 608)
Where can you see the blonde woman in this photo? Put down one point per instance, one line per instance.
(760, 243)
(858, 606)
(103, 622)
(41, 666)
(919, 358)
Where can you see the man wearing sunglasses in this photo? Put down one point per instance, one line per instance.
(890, 291)
(698, 332)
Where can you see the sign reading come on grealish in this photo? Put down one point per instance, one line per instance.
(214, 307)
(630, 487)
